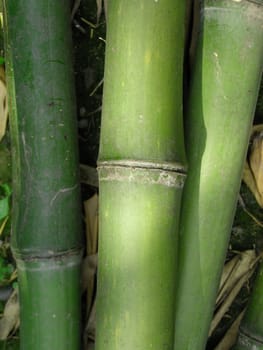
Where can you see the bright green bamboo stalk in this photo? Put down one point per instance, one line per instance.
(46, 231)
(222, 100)
(141, 174)
(251, 328)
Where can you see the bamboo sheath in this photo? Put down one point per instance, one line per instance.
(46, 234)
(251, 328)
(222, 100)
(141, 175)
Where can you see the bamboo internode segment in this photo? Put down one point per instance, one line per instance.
(142, 98)
(137, 259)
(43, 128)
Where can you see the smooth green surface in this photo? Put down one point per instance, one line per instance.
(142, 101)
(251, 328)
(141, 136)
(50, 289)
(43, 127)
(137, 260)
(222, 100)
(46, 230)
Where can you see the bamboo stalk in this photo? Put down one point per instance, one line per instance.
(141, 175)
(251, 328)
(223, 94)
(46, 233)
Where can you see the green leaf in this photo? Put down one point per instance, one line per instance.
(5, 190)
(5, 193)
(6, 270)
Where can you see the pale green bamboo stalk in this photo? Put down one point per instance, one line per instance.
(141, 174)
(222, 101)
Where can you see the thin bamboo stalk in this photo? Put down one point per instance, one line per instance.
(141, 175)
(46, 234)
(223, 95)
(251, 328)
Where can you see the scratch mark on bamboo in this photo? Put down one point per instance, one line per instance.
(62, 190)
(219, 73)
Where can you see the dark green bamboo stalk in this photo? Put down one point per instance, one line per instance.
(222, 100)
(141, 174)
(251, 328)
(46, 231)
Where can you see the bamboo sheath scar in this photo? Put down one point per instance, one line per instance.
(141, 175)
(223, 94)
(46, 232)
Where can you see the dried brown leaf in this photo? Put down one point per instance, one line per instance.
(89, 268)
(228, 268)
(241, 271)
(106, 8)
(75, 8)
(233, 270)
(253, 169)
(230, 337)
(10, 319)
(90, 329)
(99, 10)
(90, 262)
(91, 217)
(228, 301)
(91, 324)
(248, 178)
(256, 165)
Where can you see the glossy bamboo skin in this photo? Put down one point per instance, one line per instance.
(46, 233)
(142, 102)
(141, 174)
(223, 95)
